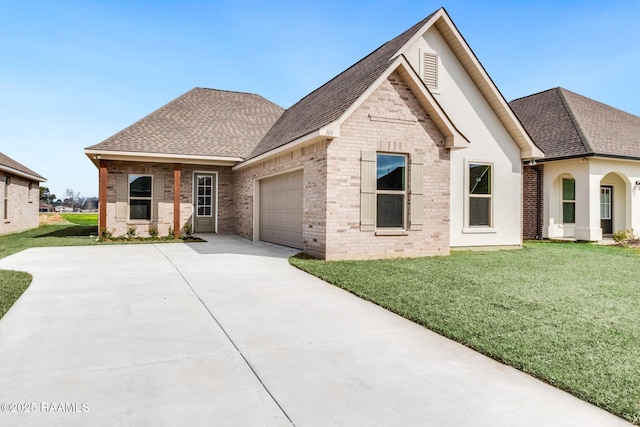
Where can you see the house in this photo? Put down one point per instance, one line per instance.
(409, 152)
(19, 196)
(588, 184)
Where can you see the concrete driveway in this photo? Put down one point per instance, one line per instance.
(226, 333)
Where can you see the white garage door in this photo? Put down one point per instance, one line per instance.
(281, 209)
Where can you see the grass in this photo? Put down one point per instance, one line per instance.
(12, 285)
(81, 218)
(49, 235)
(566, 313)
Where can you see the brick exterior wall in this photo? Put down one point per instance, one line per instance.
(226, 212)
(390, 120)
(22, 204)
(532, 201)
(313, 160)
(331, 170)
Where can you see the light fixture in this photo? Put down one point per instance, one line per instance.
(532, 162)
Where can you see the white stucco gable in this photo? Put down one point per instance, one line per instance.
(461, 86)
(457, 66)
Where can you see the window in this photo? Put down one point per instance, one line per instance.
(605, 202)
(480, 192)
(140, 197)
(390, 190)
(568, 200)
(6, 198)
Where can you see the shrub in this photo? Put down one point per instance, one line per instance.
(131, 231)
(171, 234)
(188, 230)
(622, 237)
(106, 234)
(153, 231)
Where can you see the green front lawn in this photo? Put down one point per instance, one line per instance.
(49, 235)
(567, 313)
(12, 285)
(81, 218)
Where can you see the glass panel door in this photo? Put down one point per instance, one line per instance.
(204, 191)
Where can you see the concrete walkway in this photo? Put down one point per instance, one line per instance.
(226, 333)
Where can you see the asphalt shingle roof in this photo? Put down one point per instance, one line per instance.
(8, 162)
(327, 103)
(204, 122)
(565, 124)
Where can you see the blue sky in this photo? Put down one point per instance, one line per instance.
(73, 73)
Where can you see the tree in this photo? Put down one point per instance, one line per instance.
(73, 199)
(46, 195)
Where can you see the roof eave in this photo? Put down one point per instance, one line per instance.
(482, 80)
(589, 155)
(453, 138)
(96, 155)
(329, 131)
(23, 174)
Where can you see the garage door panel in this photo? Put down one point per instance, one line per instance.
(281, 209)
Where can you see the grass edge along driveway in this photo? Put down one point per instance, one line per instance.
(566, 313)
(77, 233)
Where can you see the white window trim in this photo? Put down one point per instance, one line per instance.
(382, 230)
(129, 198)
(196, 195)
(479, 229)
(563, 201)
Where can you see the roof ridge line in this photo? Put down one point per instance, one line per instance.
(574, 121)
(535, 94)
(394, 55)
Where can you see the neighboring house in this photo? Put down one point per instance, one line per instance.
(19, 196)
(588, 185)
(409, 152)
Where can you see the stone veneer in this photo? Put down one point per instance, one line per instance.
(22, 204)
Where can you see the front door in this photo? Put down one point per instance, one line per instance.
(606, 209)
(204, 197)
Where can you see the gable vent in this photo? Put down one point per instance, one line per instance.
(430, 70)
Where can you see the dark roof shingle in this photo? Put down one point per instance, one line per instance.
(327, 103)
(7, 163)
(565, 124)
(204, 122)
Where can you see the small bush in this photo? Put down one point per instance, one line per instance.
(131, 231)
(623, 237)
(171, 234)
(106, 234)
(153, 231)
(188, 230)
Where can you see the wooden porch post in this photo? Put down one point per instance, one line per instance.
(102, 196)
(176, 199)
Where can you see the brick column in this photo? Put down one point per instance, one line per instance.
(102, 196)
(176, 199)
